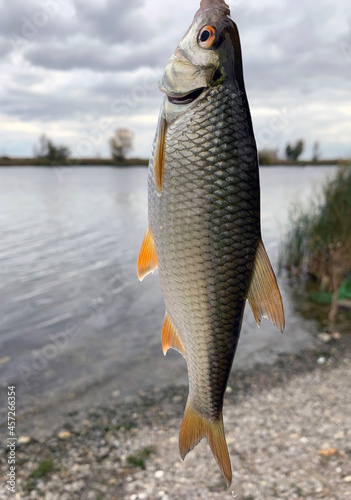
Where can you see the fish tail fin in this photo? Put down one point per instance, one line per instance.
(194, 428)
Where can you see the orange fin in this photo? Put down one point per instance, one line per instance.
(194, 428)
(147, 261)
(264, 295)
(159, 158)
(170, 337)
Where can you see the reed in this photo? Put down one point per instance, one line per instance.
(321, 235)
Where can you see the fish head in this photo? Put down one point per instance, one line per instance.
(208, 55)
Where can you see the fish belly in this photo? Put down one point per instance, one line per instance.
(206, 227)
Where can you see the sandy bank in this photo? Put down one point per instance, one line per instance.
(288, 429)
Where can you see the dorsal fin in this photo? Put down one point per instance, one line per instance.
(170, 337)
(147, 261)
(264, 295)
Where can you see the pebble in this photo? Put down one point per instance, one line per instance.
(92, 495)
(76, 486)
(328, 452)
(24, 439)
(103, 452)
(347, 479)
(158, 474)
(325, 337)
(64, 434)
(321, 360)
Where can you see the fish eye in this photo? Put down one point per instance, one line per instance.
(207, 37)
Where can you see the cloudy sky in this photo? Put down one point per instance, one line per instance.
(78, 69)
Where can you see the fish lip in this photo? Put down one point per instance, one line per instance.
(189, 97)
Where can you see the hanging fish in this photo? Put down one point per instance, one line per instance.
(204, 231)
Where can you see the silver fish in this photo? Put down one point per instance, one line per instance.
(204, 219)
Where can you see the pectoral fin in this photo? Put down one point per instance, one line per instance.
(147, 261)
(159, 157)
(264, 295)
(170, 337)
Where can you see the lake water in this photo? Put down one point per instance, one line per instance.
(72, 311)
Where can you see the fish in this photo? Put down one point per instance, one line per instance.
(204, 233)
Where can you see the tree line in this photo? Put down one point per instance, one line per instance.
(293, 152)
(121, 143)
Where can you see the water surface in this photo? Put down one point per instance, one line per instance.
(72, 311)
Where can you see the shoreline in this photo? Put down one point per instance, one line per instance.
(74, 162)
(104, 393)
(132, 162)
(119, 448)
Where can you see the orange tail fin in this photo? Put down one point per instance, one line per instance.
(194, 428)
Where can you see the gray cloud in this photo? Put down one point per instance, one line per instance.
(90, 98)
(113, 21)
(4, 48)
(33, 21)
(94, 52)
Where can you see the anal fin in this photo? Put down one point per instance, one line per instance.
(194, 428)
(264, 295)
(170, 337)
(147, 261)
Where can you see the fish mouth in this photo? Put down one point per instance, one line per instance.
(186, 98)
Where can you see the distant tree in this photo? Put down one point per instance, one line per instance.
(293, 152)
(268, 156)
(48, 151)
(316, 151)
(121, 143)
(41, 150)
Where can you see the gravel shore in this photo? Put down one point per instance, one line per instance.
(288, 429)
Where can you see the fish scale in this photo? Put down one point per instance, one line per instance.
(206, 232)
